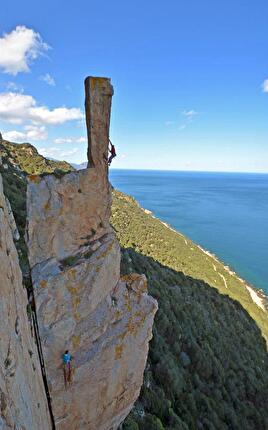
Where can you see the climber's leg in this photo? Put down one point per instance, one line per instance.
(65, 375)
(69, 373)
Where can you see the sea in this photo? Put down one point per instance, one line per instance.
(225, 213)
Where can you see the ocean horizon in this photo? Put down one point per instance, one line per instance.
(112, 169)
(223, 212)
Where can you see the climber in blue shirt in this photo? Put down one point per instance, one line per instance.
(66, 357)
(67, 367)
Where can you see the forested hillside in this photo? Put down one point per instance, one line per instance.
(207, 367)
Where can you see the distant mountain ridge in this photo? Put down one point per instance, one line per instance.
(80, 166)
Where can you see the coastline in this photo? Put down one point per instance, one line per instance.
(257, 296)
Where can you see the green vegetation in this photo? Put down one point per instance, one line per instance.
(207, 367)
(70, 261)
(14, 183)
(26, 157)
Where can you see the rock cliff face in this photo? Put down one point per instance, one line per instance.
(23, 403)
(81, 303)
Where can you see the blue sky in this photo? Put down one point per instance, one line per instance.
(190, 80)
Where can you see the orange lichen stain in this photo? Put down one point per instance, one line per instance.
(144, 287)
(77, 316)
(72, 290)
(118, 351)
(75, 302)
(131, 277)
(43, 283)
(34, 178)
(118, 315)
(72, 273)
(75, 341)
(104, 253)
(141, 291)
(123, 335)
(132, 327)
(141, 317)
(47, 205)
(127, 302)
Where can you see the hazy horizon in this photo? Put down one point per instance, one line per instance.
(176, 170)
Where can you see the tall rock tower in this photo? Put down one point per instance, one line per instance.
(82, 304)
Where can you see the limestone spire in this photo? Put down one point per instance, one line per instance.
(98, 99)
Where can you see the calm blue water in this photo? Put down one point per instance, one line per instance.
(226, 213)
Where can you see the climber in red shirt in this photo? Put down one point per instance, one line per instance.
(112, 152)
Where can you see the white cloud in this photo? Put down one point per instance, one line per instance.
(13, 86)
(62, 140)
(42, 115)
(18, 48)
(17, 108)
(81, 139)
(265, 86)
(36, 133)
(48, 79)
(14, 107)
(190, 114)
(57, 153)
(30, 133)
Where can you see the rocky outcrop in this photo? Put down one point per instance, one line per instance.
(70, 212)
(23, 403)
(82, 304)
(99, 92)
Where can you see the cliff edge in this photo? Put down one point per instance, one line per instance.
(82, 304)
(23, 403)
